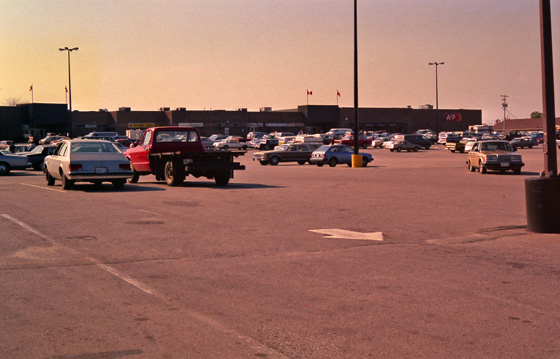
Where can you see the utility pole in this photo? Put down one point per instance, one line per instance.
(504, 107)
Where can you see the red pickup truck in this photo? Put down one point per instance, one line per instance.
(172, 153)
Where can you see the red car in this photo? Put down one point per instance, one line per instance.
(349, 140)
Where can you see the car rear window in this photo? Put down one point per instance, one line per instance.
(85, 147)
(177, 136)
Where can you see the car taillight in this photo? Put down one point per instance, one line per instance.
(124, 166)
(75, 167)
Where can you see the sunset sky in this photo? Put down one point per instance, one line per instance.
(226, 54)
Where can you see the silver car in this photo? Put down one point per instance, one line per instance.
(10, 162)
(92, 161)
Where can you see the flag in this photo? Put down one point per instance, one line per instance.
(338, 93)
(309, 92)
(31, 87)
(66, 88)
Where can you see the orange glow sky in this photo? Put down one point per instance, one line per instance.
(225, 54)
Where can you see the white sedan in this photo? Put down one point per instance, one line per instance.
(229, 143)
(92, 161)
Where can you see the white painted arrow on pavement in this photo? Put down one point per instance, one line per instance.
(344, 234)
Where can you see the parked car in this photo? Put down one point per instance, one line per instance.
(419, 140)
(539, 136)
(340, 131)
(10, 162)
(209, 141)
(494, 155)
(399, 145)
(52, 140)
(37, 156)
(469, 144)
(92, 161)
(335, 154)
(522, 142)
(363, 141)
(294, 152)
(229, 143)
(5, 144)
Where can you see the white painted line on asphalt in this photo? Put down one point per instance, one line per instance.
(29, 228)
(216, 325)
(42, 187)
(344, 234)
(143, 287)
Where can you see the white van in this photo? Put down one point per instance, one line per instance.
(340, 131)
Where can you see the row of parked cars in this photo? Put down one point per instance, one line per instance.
(315, 154)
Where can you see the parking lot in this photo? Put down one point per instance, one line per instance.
(411, 256)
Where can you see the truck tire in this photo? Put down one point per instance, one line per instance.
(119, 184)
(222, 179)
(399, 149)
(172, 178)
(135, 176)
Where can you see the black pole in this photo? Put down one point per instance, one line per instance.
(356, 118)
(437, 106)
(549, 144)
(70, 98)
(542, 194)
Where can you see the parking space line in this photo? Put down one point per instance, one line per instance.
(42, 187)
(202, 318)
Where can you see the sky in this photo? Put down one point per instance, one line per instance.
(229, 54)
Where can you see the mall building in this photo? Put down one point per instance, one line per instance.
(37, 119)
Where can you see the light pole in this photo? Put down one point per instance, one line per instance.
(356, 158)
(69, 89)
(437, 104)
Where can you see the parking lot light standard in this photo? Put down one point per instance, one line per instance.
(69, 89)
(437, 104)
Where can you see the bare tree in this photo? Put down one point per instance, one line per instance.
(12, 101)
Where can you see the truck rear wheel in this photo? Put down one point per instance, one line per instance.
(222, 179)
(172, 177)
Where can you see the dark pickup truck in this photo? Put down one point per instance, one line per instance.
(172, 153)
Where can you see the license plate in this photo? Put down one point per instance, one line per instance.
(100, 170)
(187, 161)
(504, 164)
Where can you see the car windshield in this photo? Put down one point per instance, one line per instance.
(85, 147)
(496, 146)
(37, 149)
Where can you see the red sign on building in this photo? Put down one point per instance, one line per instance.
(452, 117)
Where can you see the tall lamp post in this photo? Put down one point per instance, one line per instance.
(437, 104)
(69, 89)
(356, 158)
